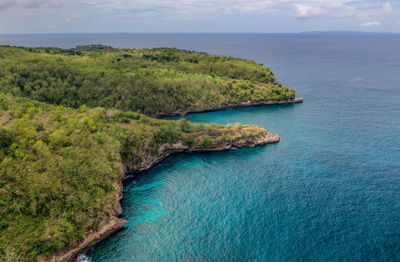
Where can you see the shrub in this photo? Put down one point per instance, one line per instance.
(3, 225)
(220, 139)
(124, 120)
(205, 141)
(6, 137)
(3, 101)
(184, 125)
(190, 141)
(163, 135)
(59, 138)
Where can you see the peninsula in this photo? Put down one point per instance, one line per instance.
(156, 82)
(73, 122)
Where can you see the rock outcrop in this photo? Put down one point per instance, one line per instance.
(149, 159)
(114, 225)
(201, 109)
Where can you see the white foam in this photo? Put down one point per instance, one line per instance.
(83, 258)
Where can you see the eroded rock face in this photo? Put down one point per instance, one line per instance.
(149, 159)
(111, 227)
(198, 109)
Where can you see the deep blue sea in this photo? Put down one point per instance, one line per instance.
(328, 191)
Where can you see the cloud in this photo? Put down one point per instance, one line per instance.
(40, 3)
(68, 20)
(333, 10)
(306, 12)
(387, 7)
(197, 15)
(368, 24)
(7, 3)
(30, 3)
(189, 6)
(337, 9)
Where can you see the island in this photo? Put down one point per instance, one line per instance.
(73, 122)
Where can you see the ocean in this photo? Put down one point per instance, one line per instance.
(328, 191)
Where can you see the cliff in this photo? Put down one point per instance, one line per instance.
(201, 109)
(61, 163)
(149, 159)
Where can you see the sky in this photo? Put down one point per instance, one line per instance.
(261, 16)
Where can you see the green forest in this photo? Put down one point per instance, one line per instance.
(60, 168)
(71, 119)
(151, 81)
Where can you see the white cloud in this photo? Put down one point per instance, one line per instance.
(305, 11)
(335, 9)
(387, 7)
(374, 23)
(269, 15)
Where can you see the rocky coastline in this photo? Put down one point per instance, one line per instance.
(116, 224)
(203, 109)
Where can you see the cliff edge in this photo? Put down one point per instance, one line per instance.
(246, 136)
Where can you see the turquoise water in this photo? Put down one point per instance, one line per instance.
(328, 191)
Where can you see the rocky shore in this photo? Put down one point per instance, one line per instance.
(115, 224)
(149, 160)
(201, 109)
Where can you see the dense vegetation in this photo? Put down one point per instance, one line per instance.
(150, 81)
(71, 120)
(60, 168)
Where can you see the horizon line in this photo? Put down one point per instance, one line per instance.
(302, 32)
